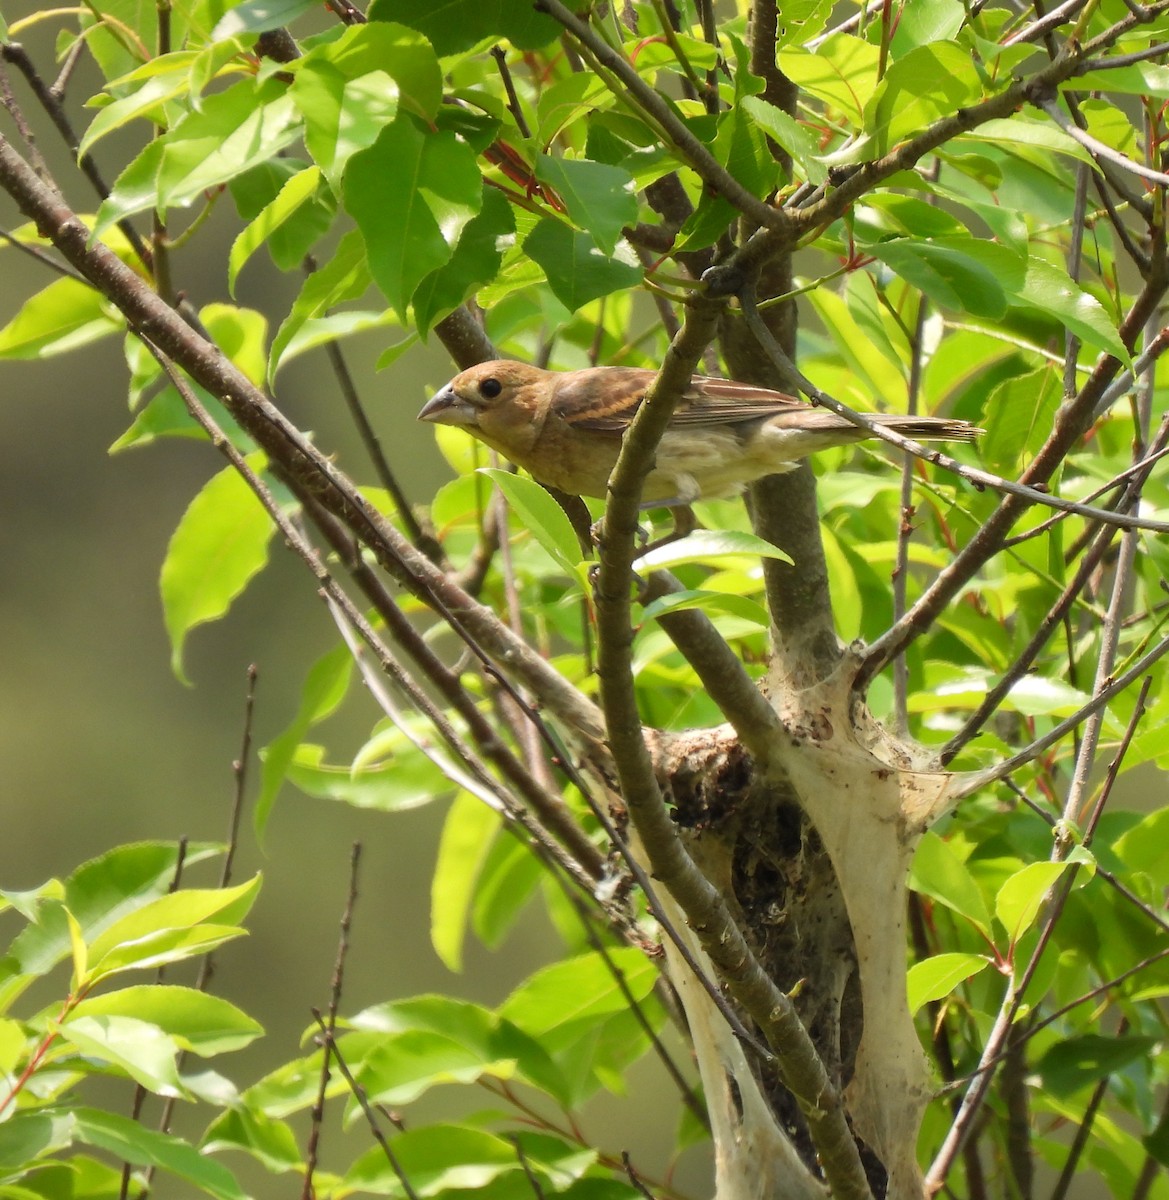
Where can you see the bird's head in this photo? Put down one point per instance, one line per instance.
(502, 402)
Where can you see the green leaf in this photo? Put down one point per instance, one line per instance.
(270, 1142)
(241, 333)
(708, 543)
(456, 25)
(342, 116)
(506, 883)
(739, 606)
(928, 83)
(407, 1065)
(232, 132)
(1078, 1061)
(169, 77)
(580, 989)
(957, 273)
(132, 1142)
(348, 90)
(219, 545)
(64, 316)
(344, 276)
(200, 1023)
(319, 331)
(1023, 131)
(472, 1026)
(259, 16)
(27, 1137)
(467, 835)
(541, 515)
(927, 21)
(576, 269)
(940, 874)
(97, 894)
(787, 132)
(1142, 848)
(742, 148)
(474, 262)
(411, 194)
(125, 942)
(435, 1158)
(1156, 1142)
(141, 1049)
(1019, 899)
(297, 221)
(1020, 412)
(296, 192)
(1050, 289)
(600, 199)
(406, 780)
(842, 72)
(324, 689)
(936, 977)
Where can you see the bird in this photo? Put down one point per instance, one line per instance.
(565, 428)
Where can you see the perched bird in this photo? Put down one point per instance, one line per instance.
(565, 428)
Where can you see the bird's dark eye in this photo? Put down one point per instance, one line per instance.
(490, 388)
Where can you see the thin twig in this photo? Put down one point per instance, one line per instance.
(373, 445)
(50, 101)
(905, 526)
(35, 252)
(331, 1046)
(974, 475)
(1099, 149)
(312, 1149)
(513, 101)
(967, 785)
(634, 1178)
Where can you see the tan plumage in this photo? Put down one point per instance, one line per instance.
(565, 428)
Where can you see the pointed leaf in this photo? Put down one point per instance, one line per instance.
(708, 543)
(576, 268)
(935, 978)
(219, 545)
(411, 194)
(64, 316)
(540, 514)
(467, 836)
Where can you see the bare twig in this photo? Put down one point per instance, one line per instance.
(1099, 149)
(50, 101)
(312, 1149)
(905, 526)
(974, 475)
(513, 101)
(330, 1044)
(971, 783)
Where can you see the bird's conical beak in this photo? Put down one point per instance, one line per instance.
(445, 408)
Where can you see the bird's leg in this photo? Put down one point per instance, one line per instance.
(685, 522)
(597, 528)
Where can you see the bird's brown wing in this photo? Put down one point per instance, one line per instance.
(605, 399)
